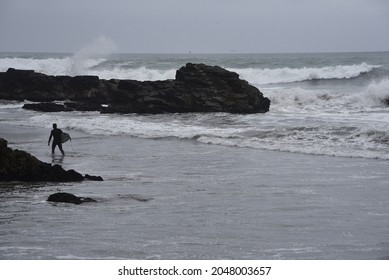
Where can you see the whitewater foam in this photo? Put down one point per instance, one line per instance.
(80, 63)
(52, 66)
(139, 74)
(93, 60)
(340, 135)
(374, 96)
(378, 92)
(259, 76)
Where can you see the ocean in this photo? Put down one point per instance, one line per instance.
(307, 180)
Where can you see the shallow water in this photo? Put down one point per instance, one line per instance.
(171, 199)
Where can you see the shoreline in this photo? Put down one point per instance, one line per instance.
(12, 133)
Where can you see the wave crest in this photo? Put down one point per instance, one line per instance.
(374, 95)
(264, 76)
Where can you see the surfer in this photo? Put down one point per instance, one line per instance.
(56, 135)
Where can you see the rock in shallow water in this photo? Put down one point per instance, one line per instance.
(69, 198)
(16, 165)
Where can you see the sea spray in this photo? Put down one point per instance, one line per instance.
(378, 92)
(77, 64)
(91, 55)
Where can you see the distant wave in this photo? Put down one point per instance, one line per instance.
(264, 76)
(107, 69)
(140, 74)
(90, 66)
(51, 66)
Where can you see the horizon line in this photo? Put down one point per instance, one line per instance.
(193, 53)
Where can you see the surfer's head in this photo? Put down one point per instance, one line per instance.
(54, 125)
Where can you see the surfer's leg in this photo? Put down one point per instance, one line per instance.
(53, 147)
(60, 148)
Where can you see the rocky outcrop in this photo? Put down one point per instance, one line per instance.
(220, 90)
(197, 88)
(16, 165)
(29, 85)
(69, 198)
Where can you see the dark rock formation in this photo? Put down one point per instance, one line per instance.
(69, 198)
(29, 85)
(220, 90)
(93, 178)
(68, 106)
(46, 107)
(16, 165)
(83, 106)
(197, 88)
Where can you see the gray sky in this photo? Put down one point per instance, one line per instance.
(199, 26)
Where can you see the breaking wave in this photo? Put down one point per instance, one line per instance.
(340, 135)
(87, 62)
(79, 63)
(264, 76)
(51, 66)
(374, 95)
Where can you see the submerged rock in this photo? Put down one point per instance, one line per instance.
(16, 165)
(196, 88)
(69, 198)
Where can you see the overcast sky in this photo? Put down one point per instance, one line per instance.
(199, 26)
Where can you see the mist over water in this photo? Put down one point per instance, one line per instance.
(91, 55)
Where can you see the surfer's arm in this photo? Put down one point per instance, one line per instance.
(51, 135)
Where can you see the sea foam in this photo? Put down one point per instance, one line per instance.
(262, 76)
(373, 96)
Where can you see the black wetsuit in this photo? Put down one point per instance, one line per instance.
(56, 134)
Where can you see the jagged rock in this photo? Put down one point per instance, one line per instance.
(197, 88)
(16, 165)
(3, 144)
(29, 85)
(218, 89)
(69, 198)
